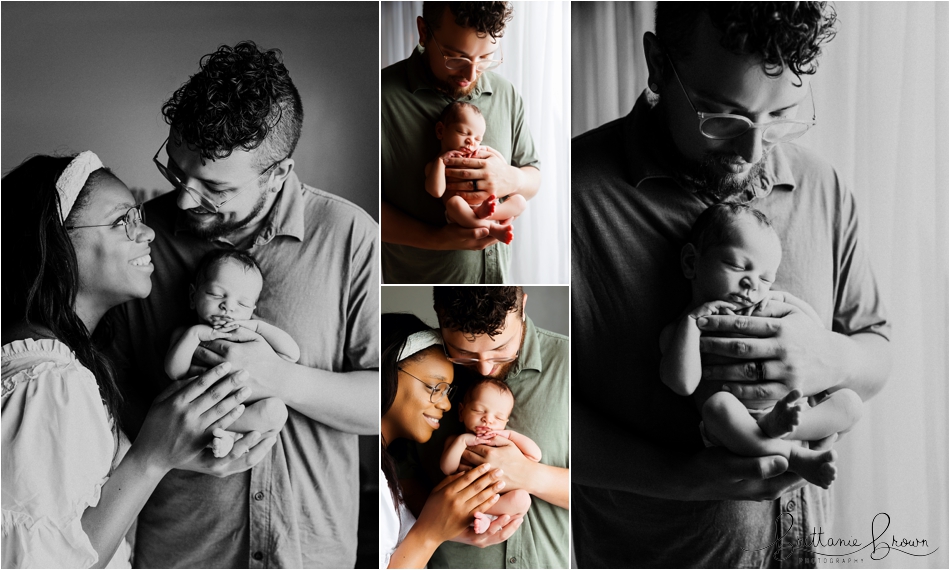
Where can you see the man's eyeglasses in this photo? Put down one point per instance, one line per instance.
(437, 392)
(205, 202)
(497, 360)
(130, 221)
(455, 63)
(724, 126)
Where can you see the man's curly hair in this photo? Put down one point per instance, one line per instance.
(476, 310)
(488, 18)
(783, 34)
(242, 97)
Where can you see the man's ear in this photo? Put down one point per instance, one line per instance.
(524, 306)
(280, 174)
(688, 257)
(191, 296)
(656, 61)
(439, 130)
(421, 26)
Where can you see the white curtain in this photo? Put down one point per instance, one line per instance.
(537, 52)
(882, 102)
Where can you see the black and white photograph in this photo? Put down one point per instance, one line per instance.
(474, 142)
(759, 284)
(190, 284)
(474, 428)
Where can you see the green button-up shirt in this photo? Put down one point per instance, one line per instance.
(410, 108)
(540, 382)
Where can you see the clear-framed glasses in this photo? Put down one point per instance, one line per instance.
(206, 202)
(497, 360)
(437, 392)
(130, 221)
(725, 126)
(455, 63)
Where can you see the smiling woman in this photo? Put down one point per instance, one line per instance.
(72, 484)
(416, 384)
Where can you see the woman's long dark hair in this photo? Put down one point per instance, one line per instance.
(396, 328)
(41, 274)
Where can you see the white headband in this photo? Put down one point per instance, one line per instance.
(72, 180)
(419, 341)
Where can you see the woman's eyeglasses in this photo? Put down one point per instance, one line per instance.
(130, 221)
(437, 392)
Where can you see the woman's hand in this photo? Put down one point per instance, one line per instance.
(452, 505)
(179, 423)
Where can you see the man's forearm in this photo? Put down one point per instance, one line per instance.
(400, 229)
(552, 484)
(867, 357)
(337, 399)
(530, 181)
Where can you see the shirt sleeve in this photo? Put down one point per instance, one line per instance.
(57, 451)
(523, 152)
(858, 305)
(388, 523)
(362, 346)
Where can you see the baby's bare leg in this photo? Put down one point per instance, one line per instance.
(729, 424)
(513, 503)
(462, 214)
(267, 415)
(837, 414)
(513, 206)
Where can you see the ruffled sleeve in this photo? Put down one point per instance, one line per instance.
(388, 523)
(57, 450)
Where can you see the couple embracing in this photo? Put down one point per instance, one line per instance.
(188, 326)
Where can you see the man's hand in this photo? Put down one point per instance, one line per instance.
(490, 170)
(518, 469)
(719, 475)
(455, 237)
(501, 529)
(782, 349)
(245, 350)
(246, 453)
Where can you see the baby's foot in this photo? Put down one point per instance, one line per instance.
(504, 234)
(482, 522)
(487, 208)
(784, 417)
(817, 467)
(222, 445)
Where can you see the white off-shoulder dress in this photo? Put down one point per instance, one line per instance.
(393, 526)
(58, 449)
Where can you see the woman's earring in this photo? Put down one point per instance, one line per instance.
(654, 88)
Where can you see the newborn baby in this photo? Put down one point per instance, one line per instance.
(461, 128)
(731, 260)
(485, 410)
(224, 294)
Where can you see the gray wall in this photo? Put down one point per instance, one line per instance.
(79, 76)
(548, 307)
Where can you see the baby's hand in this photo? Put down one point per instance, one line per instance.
(220, 321)
(247, 324)
(713, 308)
(206, 333)
(454, 154)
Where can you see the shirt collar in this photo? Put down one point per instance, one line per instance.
(648, 149)
(418, 79)
(286, 216)
(530, 356)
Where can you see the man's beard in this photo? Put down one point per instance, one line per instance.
(217, 228)
(465, 376)
(709, 177)
(453, 91)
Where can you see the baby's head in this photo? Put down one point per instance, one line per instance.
(461, 126)
(227, 285)
(732, 255)
(488, 403)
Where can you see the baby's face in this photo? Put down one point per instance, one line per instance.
(465, 133)
(229, 291)
(741, 272)
(487, 407)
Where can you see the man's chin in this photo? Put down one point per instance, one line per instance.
(722, 183)
(204, 226)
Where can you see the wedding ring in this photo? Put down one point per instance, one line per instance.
(475, 185)
(759, 371)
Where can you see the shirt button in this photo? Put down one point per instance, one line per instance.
(489, 253)
(790, 506)
(258, 555)
(258, 496)
(512, 560)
